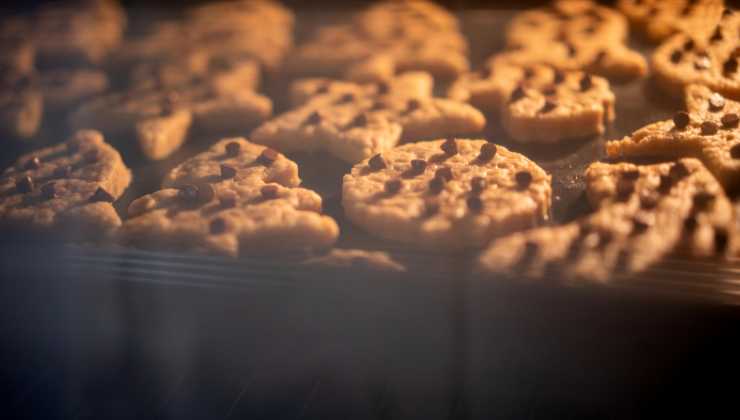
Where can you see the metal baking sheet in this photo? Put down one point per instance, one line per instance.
(638, 103)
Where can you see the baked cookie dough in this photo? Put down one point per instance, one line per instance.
(540, 103)
(21, 105)
(643, 212)
(659, 20)
(354, 126)
(67, 187)
(235, 198)
(707, 56)
(446, 194)
(708, 131)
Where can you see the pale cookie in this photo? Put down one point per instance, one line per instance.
(708, 131)
(383, 40)
(708, 57)
(236, 198)
(356, 258)
(160, 120)
(574, 36)
(353, 127)
(539, 103)
(84, 31)
(69, 187)
(63, 89)
(411, 84)
(446, 194)
(643, 213)
(659, 19)
(21, 105)
(567, 19)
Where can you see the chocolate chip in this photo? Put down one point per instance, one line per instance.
(62, 172)
(269, 191)
(571, 49)
(531, 249)
(267, 157)
(486, 73)
(449, 146)
(517, 94)
(33, 163)
(91, 156)
(101, 196)
(689, 224)
(528, 73)
(431, 208)
(678, 171)
(735, 151)
(586, 83)
(477, 185)
(681, 120)
(49, 190)
(591, 29)
(233, 148)
(648, 201)
(24, 184)
(639, 225)
(721, 239)
(417, 167)
(383, 88)
(188, 193)
(716, 102)
(702, 62)
(604, 238)
(730, 66)
(523, 179)
(227, 172)
(558, 77)
(346, 98)
(218, 226)
(227, 201)
(631, 175)
(412, 105)
(377, 106)
(702, 200)
(666, 183)
(324, 88)
(709, 128)
(487, 152)
(475, 204)
(688, 45)
(548, 106)
(360, 120)
(600, 57)
(444, 172)
(436, 185)
(205, 193)
(686, 10)
(717, 35)
(376, 163)
(676, 56)
(313, 118)
(393, 186)
(625, 188)
(726, 13)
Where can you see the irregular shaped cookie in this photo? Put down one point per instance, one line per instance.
(642, 214)
(413, 84)
(386, 39)
(160, 120)
(17, 52)
(236, 198)
(661, 19)
(69, 187)
(21, 105)
(539, 103)
(708, 131)
(446, 194)
(63, 89)
(706, 56)
(84, 31)
(574, 35)
(353, 127)
(567, 19)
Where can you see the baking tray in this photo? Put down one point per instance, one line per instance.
(108, 332)
(638, 103)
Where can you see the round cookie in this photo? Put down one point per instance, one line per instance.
(446, 194)
(659, 19)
